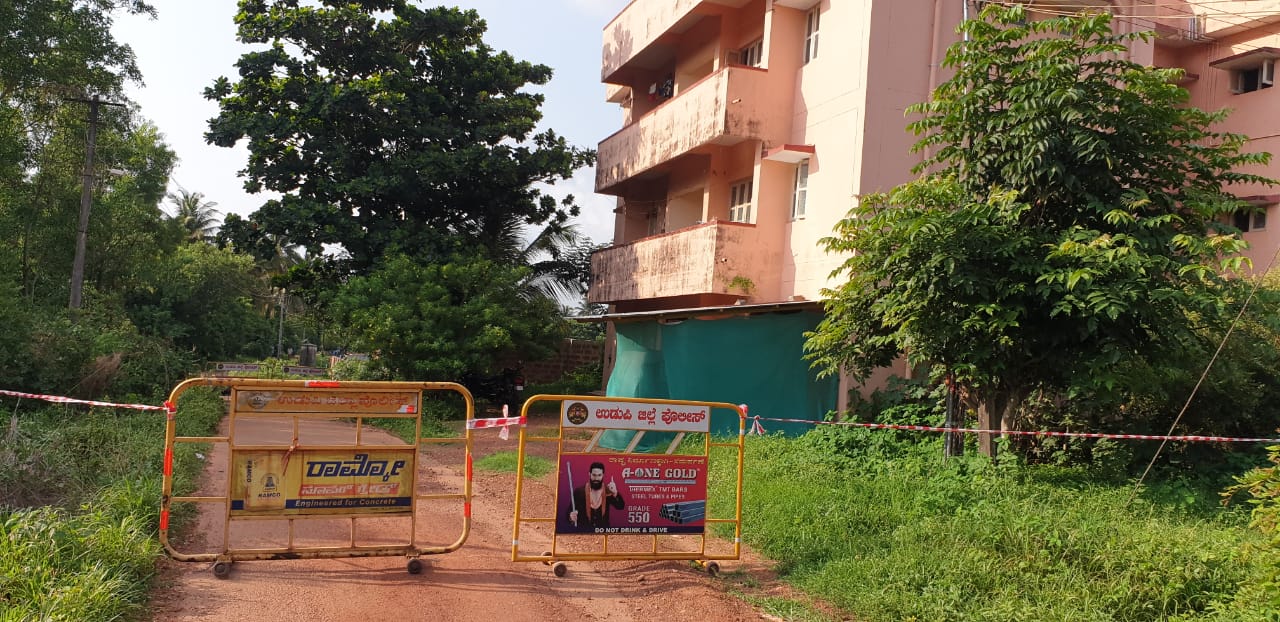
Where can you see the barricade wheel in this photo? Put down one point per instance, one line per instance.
(546, 554)
(560, 568)
(415, 566)
(221, 569)
(713, 569)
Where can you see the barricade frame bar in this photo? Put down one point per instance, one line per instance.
(410, 547)
(557, 555)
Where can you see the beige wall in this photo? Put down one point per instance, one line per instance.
(1255, 114)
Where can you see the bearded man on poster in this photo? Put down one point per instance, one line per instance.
(593, 500)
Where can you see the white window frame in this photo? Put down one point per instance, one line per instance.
(740, 200)
(800, 192)
(1253, 220)
(752, 54)
(812, 23)
(1256, 78)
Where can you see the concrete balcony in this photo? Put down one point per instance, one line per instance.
(725, 108)
(636, 35)
(712, 260)
(1220, 22)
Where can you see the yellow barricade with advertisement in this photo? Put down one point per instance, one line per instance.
(298, 453)
(613, 503)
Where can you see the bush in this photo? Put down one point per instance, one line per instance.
(580, 381)
(59, 566)
(1258, 598)
(355, 369)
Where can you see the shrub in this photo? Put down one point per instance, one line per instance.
(1258, 598)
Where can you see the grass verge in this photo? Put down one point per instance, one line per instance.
(909, 537)
(91, 555)
(506, 462)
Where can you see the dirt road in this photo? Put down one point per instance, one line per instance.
(476, 582)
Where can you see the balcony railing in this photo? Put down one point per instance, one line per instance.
(726, 107)
(712, 258)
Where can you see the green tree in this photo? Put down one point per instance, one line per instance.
(1067, 229)
(558, 257)
(126, 228)
(193, 215)
(275, 255)
(51, 50)
(388, 129)
(440, 321)
(201, 298)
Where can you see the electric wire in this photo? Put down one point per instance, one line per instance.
(1145, 21)
(1257, 284)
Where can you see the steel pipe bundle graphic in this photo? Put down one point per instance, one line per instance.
(684, 511)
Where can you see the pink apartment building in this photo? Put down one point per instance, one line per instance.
(751, 126)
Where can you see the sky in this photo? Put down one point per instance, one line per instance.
(192, 42)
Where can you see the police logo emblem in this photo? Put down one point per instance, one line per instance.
(577, 413)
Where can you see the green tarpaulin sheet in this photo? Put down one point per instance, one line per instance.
(756, 360)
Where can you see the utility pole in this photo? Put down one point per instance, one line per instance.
(86, 199)
(280, 332)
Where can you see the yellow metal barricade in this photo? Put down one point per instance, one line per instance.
(620, 504)
(297, 453)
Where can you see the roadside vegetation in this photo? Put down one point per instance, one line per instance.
(507, 462)
(1058, 283)
(880, 525)
(81, 506)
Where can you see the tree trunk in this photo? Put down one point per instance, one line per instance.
(953, 443)
(988, 419)
(997, 411)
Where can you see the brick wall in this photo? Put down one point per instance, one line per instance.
(574, 353)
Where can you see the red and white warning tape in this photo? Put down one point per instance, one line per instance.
(756, 428)
(68, 400)
(504, 422)
(496, 422)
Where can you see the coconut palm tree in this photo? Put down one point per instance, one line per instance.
(558, 257)
(194, 215)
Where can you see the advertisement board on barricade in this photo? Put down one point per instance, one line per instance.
(321, 482)
(300, 452)
(635, 416)
(610, 497)
(631, 494)
(252, 400)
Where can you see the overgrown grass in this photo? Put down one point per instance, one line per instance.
(437, 412)
(909, 537)
(507, 462)
(79, 522)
